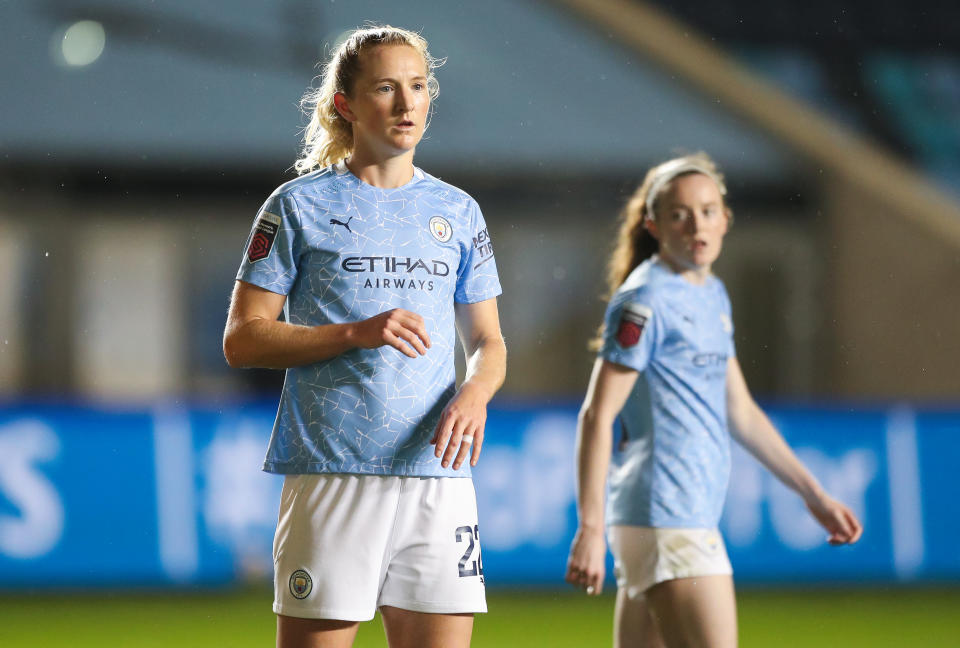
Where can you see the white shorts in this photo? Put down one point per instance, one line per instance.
(348, 544)
(645, 556)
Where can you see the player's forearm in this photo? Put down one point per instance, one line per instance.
(757, 434)
(277, 345)
(487, 366)
(594, 441)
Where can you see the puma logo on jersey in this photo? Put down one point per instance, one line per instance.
(334, 221)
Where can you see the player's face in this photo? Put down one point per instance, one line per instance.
(690, 223)
(390, 101)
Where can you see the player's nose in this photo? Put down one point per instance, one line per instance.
(403, 100)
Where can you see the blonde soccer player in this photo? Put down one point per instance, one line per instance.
(377, 266)
(667, 368)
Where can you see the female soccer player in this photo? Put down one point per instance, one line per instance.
(373, 263)
(667, 368)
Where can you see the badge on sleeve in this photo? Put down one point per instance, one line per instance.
(632, 320)
(264, 234)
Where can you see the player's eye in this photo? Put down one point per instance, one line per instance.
(419, 86)
(384, 89)
(678, 216)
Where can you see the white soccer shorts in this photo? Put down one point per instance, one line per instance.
(645, 556)
(348, 544)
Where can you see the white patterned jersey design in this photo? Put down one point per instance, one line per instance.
(343, 251)
(673, 460)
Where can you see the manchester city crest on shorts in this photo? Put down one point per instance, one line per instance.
(300, 584)
(440, 228)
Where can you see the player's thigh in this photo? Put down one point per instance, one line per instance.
(332, 536)
(293, 632)
(633, 627)
(436, 563)
(409, 629)
(697, 612)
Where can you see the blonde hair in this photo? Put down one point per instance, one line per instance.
(328, 137)
(634, 243)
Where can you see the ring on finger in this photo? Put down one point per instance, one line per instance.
(590, 590)
(467, 439)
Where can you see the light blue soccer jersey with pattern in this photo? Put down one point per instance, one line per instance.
(343, 251)
(672, 464)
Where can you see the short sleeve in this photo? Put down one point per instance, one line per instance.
(726, 317)
(477, 277)
(272, 251)
(631, 331)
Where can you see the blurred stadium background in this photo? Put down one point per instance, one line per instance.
(139, 138)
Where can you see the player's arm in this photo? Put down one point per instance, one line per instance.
(465, 415)
(254, 338)
(610, 385)
(754, 431)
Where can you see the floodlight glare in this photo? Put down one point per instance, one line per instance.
(83, 43)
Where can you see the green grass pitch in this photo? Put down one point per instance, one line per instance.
(784, 618)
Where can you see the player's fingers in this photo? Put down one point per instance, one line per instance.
(453, 445)
(416, 324)
(583, 576)
(410, 337)
(444, 428)
(477, 445)
(409, 320)
(846, 524)
(574, 575)
(467, 439)
(595, 584)
(391, 339)
(853, 529)
(857, 528)
(842, 527)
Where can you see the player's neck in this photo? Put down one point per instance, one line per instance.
(385, 173)
(697, 275)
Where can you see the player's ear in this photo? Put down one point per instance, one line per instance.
(651, 226)
(342, 105)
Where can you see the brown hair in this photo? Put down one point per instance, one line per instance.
(634, 242)
(328, 137)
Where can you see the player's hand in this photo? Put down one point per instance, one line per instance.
(460, 430)
(837, 519)
(585, 566)
(399, 328)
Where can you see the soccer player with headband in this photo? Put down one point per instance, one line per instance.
(376, 266)
(668, 369)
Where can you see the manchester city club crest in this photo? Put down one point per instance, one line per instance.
(300, 584)
(440, 228)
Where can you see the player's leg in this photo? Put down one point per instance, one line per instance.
(633, 627)
(654, 568)
(409, 629)
(635, 555)
(332, 536)
(696, 612)
(293, 632)
(434, 582)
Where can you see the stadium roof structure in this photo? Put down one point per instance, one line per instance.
(526, 87)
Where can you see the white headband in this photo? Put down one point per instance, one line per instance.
(670, 171)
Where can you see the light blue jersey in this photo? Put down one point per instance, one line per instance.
(343, 251)
(673, 462)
